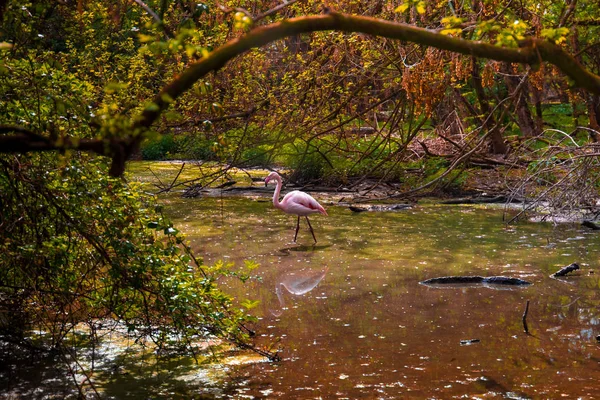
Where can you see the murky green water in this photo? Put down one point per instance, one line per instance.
(354, 322)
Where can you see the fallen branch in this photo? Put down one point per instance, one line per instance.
(379, 207)
(498, 280)
(565, 270)
(482, 200)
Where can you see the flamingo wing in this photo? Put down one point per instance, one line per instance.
(302, 204)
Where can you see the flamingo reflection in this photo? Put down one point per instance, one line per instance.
(297, 283)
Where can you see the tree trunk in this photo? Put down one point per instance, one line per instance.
(524, 119)
(539, 115)
(593, 106)
(592, 101)
(496, 140)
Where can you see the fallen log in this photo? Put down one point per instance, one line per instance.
(565, 270)
(590, 224)
(496, 280)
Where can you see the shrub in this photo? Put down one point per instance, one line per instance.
(196, 147)
(256, 157)
(159, 149)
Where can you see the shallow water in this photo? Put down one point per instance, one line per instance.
(353, 321)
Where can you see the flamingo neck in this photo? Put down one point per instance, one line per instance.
(276, 203)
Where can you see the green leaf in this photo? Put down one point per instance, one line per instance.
(402, 8)
(114, 87)
(250, 304)
(153, 107)
(166, 98)
(557, 35)
(146, 38)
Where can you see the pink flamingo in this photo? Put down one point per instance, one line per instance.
(296, 202)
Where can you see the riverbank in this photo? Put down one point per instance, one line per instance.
(499, 187)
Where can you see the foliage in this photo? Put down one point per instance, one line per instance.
(159, 148)
(76, 245)
(79, 247)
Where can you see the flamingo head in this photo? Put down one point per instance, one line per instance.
(272, 176)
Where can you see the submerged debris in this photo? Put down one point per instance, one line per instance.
(497, 280)
(484, 200)
(468, 342)
(524, 319)
(193, 191)
(379, 207)
(565, 270)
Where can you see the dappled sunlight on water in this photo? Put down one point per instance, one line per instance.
(363, 326)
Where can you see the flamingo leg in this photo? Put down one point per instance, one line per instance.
(311, 229)
(297, 229)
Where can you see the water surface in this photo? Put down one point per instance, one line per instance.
(352, 320)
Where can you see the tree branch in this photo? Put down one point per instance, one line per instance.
(532, 52)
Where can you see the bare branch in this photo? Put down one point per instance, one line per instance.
(274, 10)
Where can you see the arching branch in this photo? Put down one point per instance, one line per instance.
(533, 52)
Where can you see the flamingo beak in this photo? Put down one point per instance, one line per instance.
(266, 181)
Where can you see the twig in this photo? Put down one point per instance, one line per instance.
(166, 31)
(167, 189)
(274, 10)
(525, 318)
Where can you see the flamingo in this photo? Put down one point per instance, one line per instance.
(296, 202)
